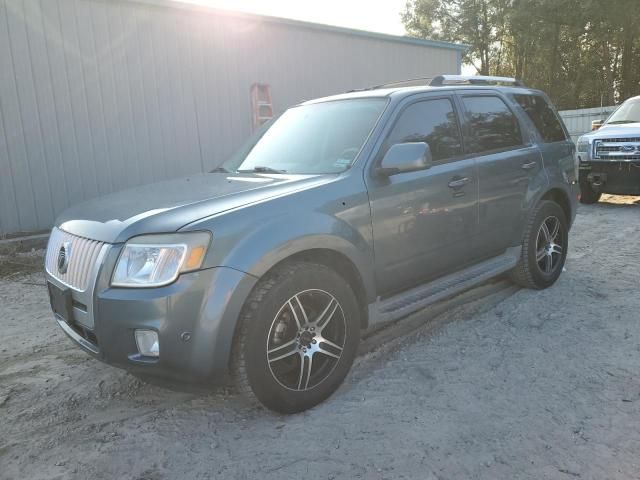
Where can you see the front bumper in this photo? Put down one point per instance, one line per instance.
(615, 177)
(195, 319)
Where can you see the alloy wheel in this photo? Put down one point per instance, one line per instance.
(306, 340)
(549, 245)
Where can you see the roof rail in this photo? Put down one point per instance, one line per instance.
(412, 82)
(442, 80)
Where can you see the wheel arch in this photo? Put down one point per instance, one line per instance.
(339, 263)
(560, 197)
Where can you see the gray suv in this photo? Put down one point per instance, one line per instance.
(343, 214)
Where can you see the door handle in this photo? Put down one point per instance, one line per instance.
(459, 182)
(529, 166)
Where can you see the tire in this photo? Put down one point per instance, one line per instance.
(541, 260)
(588, 195)
(288, 363)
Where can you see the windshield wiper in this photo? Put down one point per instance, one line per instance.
(624, 121)
(219, 170)
(262, 170)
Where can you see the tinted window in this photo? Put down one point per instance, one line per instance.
(543, 117)
(433, 122)
(492, 125)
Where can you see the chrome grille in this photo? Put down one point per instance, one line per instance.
(617, 149)
(622, 140)
(82, 258)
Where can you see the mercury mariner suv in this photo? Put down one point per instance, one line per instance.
(609, 158)
(345, 213)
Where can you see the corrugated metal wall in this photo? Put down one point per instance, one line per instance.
(578, 122)
(98, 96)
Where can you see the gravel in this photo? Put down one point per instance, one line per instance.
(499, 383)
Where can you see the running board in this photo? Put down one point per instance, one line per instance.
(417, 298)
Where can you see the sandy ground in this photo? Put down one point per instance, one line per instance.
(500, 383)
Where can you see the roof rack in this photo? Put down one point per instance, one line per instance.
(442, 80)
(412, 82)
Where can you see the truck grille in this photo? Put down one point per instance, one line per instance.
(82, 255)
(617, 149)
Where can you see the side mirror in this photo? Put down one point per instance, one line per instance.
(406, 157)
(596, 124)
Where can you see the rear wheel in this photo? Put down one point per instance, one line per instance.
(297, 338)
(544, 248)
(588, 195)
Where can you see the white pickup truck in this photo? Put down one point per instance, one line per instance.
(609, 157)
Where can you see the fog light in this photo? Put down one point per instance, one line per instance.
(147, 343)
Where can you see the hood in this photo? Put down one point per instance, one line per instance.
(615, 131)
(167, 206)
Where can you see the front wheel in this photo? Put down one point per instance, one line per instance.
(297, 338)
(544, 248)
(588, 195)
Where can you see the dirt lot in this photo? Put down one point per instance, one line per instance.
(498, 383)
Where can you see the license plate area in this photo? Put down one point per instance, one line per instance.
(61, 302)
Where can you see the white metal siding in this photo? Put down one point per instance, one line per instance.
(98, 96)
(578, 122)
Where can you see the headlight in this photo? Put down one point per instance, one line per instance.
(582, 146)
(156, 260)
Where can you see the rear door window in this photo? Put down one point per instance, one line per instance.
(492, 126)
(431, 121)
(543, 117)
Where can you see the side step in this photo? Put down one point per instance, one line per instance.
(406, 303)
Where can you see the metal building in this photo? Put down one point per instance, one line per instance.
(101, 95)
(578, 122)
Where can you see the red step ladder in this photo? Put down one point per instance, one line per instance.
(261, 104)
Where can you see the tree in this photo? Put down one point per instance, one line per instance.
(473, 22)
(582, 52)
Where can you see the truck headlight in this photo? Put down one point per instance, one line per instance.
(157, 260)
(582, 146)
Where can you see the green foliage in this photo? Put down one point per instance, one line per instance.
(581, 52)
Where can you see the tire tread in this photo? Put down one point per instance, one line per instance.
(521, 274)
(588, 196)
(239, 377)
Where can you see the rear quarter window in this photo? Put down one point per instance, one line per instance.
(492, 125)
(543, 117)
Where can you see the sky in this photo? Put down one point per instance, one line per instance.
(376, 16)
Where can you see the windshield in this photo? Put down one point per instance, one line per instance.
(629, 112)
(317, 138)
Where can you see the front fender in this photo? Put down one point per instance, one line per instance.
(334, 216)
(272, 242)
